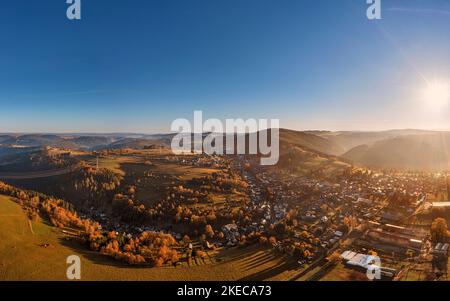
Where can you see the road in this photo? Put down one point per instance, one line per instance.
(38, 174)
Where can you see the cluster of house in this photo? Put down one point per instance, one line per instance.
(231, 233)
(203, 160)
(323, 206)
(327, 210)
(440, 254)
(441, 249)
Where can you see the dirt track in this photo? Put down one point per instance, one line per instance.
(37, 174)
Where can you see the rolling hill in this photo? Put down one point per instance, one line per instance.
(136, 143)
(28, 159)
(89, 142)
(419, 152)
(410, 149)
(83, 142)
(347, 140)
(59, 141)
(309, 141)
(308, 154)
(34, 250)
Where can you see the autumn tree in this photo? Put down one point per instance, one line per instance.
(439, 230)
(263, 240)
(186, 239)
(209, 231)
(334, 258)
(272, 241)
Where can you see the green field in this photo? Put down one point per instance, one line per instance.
(23, 257)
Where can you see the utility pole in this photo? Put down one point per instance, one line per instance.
(448, 188)
(96, 158)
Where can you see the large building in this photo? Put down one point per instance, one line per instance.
(363, 261)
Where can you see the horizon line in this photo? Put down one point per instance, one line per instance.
(169, 132)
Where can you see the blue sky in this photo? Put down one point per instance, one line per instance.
(134, 66)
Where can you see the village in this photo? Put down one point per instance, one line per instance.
(326, 227)
(353, 217)
(364, 214)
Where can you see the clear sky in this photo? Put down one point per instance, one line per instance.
(135, 65)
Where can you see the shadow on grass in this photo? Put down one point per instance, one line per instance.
(282, 266)
(241, 253)
(255, 256)
(96, 257)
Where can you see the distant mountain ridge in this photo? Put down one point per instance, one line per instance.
(406, 149)
(347, 140)
(52, 140)
(418, 152)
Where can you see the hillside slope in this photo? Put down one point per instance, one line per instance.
(24, 257)
(350, 139)
(309, 141)
(420, 152)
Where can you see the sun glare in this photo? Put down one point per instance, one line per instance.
(437, 94)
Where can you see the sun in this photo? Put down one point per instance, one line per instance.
(437, 94)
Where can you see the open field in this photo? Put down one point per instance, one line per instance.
(149, 172)
(23, 257)
(142, 160)
(342, 273)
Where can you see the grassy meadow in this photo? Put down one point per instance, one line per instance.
(23, 256)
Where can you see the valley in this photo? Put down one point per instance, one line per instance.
(152, 214)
